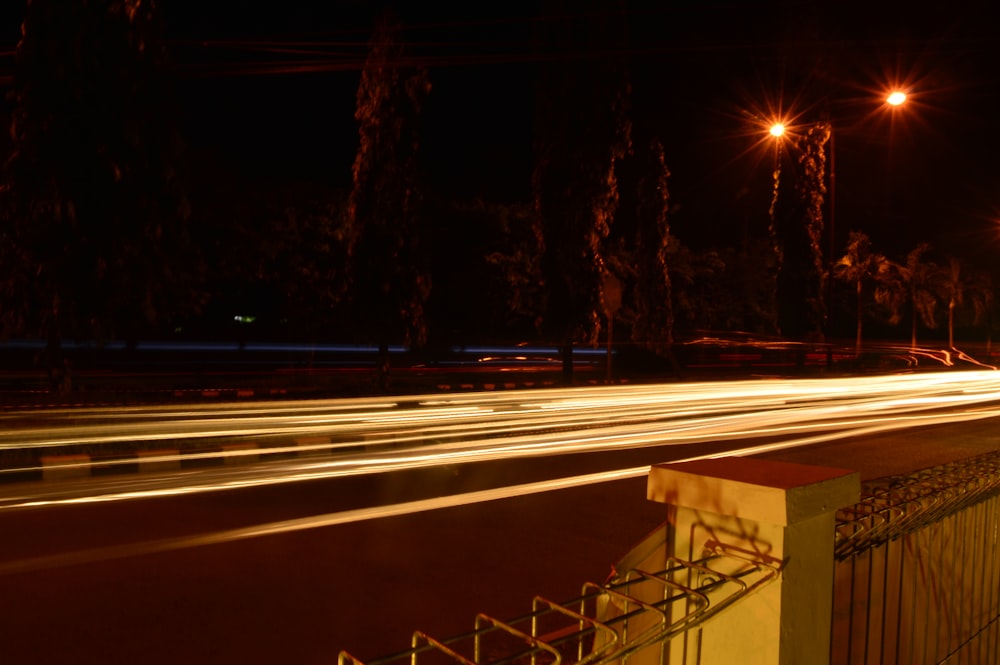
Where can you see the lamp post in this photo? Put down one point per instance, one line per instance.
(894, 99)
(797, 227)
(779, 132)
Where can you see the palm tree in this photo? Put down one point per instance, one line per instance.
(924, 280)
(861, 265)
(961, 286)
(917, 284)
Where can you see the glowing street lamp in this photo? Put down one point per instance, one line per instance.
(894, 98)
(778, 131)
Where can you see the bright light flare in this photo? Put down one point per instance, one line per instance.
(777, 130)
(896, 98)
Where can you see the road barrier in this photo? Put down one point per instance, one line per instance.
(762, 562)
(918, 572)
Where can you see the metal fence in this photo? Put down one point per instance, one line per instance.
(630, 619)
(917, 582)
(918, 568)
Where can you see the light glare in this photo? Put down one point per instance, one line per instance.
(896, 98)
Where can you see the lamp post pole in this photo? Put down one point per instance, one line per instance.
(777, 130)
(894, 99)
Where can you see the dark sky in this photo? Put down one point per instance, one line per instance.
(270, 87)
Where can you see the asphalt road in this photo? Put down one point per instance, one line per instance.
(299, 597)
(126, 582)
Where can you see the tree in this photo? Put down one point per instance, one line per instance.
(962, 286)
(653, 316)
(797, 214)
(301, 253)
(698, 286)
(391, 283)
(582, 131)
(916, 284)
(519, 261)
(94, 205)
(861, 266)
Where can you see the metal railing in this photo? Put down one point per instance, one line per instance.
(919, 567)
(917, 581)
(638, 612)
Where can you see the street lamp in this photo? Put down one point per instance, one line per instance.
(779, 131)
(896, 98)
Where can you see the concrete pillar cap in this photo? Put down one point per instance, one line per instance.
(769, 491)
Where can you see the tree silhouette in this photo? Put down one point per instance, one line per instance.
(797, 214)
(519, 260)
(653, 316)
(95, 210)
(301, 254)
(859, 266)
(391, 283)
(962, 286)
(699, 289)
(581, 132)
(917, 284)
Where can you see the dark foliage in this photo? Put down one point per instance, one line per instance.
(95, 212)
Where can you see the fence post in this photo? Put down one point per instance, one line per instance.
(773, 512)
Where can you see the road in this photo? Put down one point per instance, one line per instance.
(117, 591)
(297, 571)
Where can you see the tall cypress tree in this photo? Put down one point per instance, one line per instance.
(391, 282)
(582, 131)
(653, 324)
(797, 216)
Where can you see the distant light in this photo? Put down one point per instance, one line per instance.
(896, 98)
(777, 129)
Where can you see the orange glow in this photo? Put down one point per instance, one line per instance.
(777, 129)
(896, 98)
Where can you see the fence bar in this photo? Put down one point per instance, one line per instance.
(928, 547)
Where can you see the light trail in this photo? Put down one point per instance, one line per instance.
(313, 522)
(143, 548)
(462, 414)
(365, 436)
(492, 427)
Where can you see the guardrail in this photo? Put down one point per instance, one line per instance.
(918, 572)
(907, 572)
(743, 562)
(638, 612)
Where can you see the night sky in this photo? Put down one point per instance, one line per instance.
(268, 89)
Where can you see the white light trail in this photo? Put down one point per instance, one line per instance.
(405, 508)
(427, 431)
(313, 522)
(364, 436)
